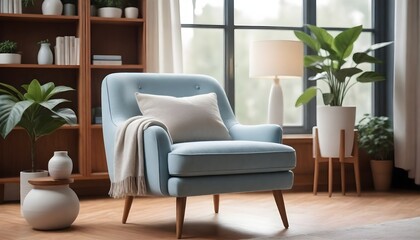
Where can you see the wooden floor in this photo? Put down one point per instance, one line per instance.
(241, 216)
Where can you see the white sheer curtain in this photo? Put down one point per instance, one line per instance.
(163, 36)
(407, 87)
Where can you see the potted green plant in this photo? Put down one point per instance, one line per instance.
(27, 3)
(37, 112)
(8, 53)
(109, 8)
(376, 138)
(338, 66)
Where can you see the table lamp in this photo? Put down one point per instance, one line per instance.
(276, 59)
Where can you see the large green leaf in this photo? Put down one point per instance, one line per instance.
(306, 96)
(313, 60)
(14, 115)
(52, 103)
(12, 91)
(324, 38)
(46, 90)
(34, 91)
(308, 40)
(362, 57)
(319, 76)
(377, 46)
(370, 77)
(344, 73)
(59, 89)
(343, 42)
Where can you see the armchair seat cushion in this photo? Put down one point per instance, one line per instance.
(209, 158)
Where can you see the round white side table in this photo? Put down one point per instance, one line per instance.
(51, 205)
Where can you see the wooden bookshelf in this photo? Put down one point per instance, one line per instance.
(118, 36)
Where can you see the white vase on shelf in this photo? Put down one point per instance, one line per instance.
(52, 7)
(60, 165)
(45, 55)
(131, 12)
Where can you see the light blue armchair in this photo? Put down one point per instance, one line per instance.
(254, 160)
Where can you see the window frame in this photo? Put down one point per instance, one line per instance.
(382, 31)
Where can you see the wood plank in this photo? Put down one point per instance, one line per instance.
(244, 216)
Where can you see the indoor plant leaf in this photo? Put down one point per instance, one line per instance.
(306, 96)
(308, 40)
(344, 73)
(370, 77)
(362, 57)
(343, 42)
(377, 46)
(14, 115)
(324, 38)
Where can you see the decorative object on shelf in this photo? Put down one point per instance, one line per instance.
(8, 53)
(69, 7)
(27, 3)
(52, 7)
(329, 64)
(97, 115)
(60, 165)
(276, 59)
(376, 137)
(106, 59)
(131, 9)
(45, 55)
(51, 204)
(109, 8)
(35, 110)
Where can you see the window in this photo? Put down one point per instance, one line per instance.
(217, 34)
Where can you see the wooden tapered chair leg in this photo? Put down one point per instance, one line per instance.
(278, 197)
(127, 207)
(181, 203)
(330, 176)
(216, 200)
(341, 159)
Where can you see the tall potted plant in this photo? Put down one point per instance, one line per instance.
(336, 65)
(36, 111)
(376, 138)
(8, 53)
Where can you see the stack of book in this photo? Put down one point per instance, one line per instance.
(107, 60)
(11, 6)
(67, 50)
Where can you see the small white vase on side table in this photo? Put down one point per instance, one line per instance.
(60, 165)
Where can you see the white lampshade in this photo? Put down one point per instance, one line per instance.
(276, 58)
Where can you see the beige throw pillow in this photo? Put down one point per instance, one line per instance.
(195, 118)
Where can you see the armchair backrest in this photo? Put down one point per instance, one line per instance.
(119, 103)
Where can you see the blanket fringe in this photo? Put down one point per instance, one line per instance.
(130, 186)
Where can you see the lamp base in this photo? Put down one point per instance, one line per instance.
(275, 104)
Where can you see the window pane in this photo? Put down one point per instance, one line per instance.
(203, 52)
(251, 95)
(269, 12)
(201, 11)
(360, 95)
(344, 13)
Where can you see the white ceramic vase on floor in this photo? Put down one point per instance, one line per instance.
(51, 207)
(60, 165)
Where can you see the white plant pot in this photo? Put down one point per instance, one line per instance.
(25, 187)
(52, 7)
(131, 12)
(10, 58)
(60, 165)
(51, 207)
(330, 121)
(110, 12)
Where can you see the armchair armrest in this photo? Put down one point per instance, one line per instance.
(157, 145)
(262, 132)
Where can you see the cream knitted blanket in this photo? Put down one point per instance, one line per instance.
(129, 179)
